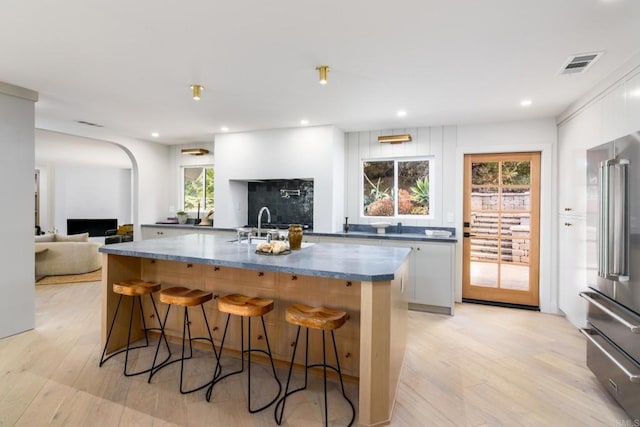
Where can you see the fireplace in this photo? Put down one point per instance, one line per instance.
(95, 227)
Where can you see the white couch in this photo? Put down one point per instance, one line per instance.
(59, 255)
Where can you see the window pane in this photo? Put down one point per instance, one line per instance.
(484, 249)
(484, 173)
(484, 274)
(378, 188)
(515, 250)
(514, 277)
(516, 199)
(484, 199)
(209, 180)
(484, 223)
(516, 173)
(193, 187)
(413, 188)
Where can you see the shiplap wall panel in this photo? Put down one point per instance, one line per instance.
(439, 143)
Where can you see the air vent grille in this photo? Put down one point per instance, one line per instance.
(82, 122)
(580, 63)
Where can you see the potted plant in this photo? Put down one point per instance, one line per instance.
(182, 217)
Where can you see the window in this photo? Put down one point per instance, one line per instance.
(198, 188)
(396, 188)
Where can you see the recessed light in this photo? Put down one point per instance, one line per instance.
(525, 103)
(304, 122)
(224, 129)
(401, 113)
(155, 134)
(635, 93)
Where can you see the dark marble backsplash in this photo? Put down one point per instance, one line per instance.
(294, 209)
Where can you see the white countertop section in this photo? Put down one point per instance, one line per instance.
(333, 260)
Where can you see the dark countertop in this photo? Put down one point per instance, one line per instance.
(333, 260)
(409, 236)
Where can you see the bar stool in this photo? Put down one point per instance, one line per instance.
(324, 319)
(133, 288)
(186, 298)
(244, 306)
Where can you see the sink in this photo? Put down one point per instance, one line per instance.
(256, 240)
(380, 226)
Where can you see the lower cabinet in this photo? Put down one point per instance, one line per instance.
(572, 268)
(432, 273)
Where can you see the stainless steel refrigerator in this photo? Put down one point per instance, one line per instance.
(613, 269)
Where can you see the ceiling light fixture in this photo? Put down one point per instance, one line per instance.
(224, 129)
(395, 139)
(196, 91)
(323, 70)
(304, 122)
(155, 134)
(525, 103)
(401, 113)
(195, 151)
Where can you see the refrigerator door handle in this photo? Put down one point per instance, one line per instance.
(613, 229)
(634, 378)
(633, 328)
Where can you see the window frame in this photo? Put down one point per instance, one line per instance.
(395, 192)
(182, 196)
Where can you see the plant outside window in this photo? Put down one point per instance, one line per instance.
(198, 188)
(409, 180)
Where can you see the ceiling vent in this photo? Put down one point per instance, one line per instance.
(577, 64)
(82, 122)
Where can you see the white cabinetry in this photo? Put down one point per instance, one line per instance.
(430, 284)
(613, 114)
(433, 274)
(633, 104)
(157, 232)
(572, 268)
(575, 137)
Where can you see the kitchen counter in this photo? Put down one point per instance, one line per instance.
(332, 260)
(408, 236)
(368, 282)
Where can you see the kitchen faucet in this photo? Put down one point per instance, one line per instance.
(262, 209)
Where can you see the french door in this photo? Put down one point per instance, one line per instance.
(501, 228)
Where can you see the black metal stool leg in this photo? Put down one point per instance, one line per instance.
(324, 369)
(155, 368)
(113, 322)
(283, 399)
(344, 394)
(218, 369)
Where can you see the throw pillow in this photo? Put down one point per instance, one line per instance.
(45, 238)
(83, 237)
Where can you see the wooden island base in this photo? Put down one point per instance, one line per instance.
(371, 344)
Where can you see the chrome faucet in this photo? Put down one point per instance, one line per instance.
(262, 209)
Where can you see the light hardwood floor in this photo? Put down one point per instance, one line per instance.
(486, 366)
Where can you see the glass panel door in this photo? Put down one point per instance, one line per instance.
(501, 210)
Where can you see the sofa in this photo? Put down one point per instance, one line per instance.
(60, 255)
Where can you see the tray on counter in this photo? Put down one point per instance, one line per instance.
(287, 252)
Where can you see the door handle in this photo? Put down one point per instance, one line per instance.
(467, 234)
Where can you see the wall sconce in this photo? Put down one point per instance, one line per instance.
(323, 70)
(395, 139)
(196, 91)
(195, 151)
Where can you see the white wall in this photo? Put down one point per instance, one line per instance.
(17, 306)
(90, 192)
(305, 153)
(176, 161)
(521, 136)
(438, 143)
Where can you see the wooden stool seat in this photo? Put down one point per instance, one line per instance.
(184, 296)
(315, 317)
(135, 287)
(242, 305)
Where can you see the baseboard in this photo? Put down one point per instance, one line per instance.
(429, 308)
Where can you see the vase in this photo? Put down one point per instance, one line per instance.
(295, 236)
(182, 219)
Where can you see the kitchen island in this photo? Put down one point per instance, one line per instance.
(367, 282)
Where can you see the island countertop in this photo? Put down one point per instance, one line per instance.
(332, 260)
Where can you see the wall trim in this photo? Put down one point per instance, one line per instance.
(18, 92)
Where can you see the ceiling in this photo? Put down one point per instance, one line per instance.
(128, 65)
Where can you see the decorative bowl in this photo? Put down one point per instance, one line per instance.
(380, 226)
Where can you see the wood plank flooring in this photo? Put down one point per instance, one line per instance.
(486, 366)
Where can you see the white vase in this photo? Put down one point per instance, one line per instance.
(182, 219)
